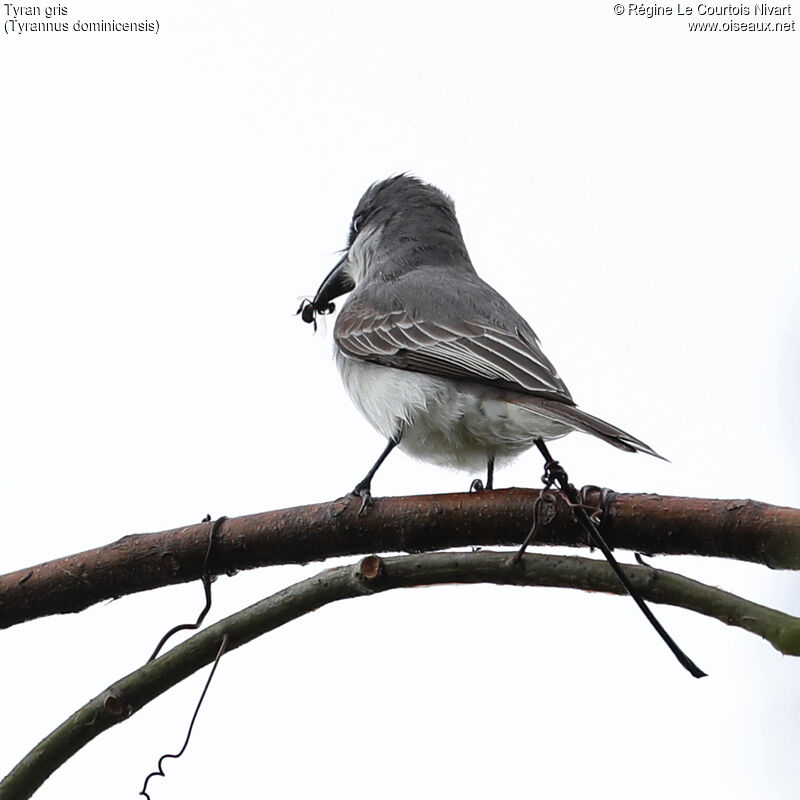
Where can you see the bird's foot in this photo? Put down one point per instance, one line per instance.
(362, 490)
(476, 486)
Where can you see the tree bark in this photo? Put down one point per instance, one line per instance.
(652, 524)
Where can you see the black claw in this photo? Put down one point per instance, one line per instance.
(476, 486)
(362, 491)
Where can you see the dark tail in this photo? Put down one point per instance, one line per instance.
(581, 421)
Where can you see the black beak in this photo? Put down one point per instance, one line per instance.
(337, 283)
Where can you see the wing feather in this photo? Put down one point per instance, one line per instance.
(467, 350)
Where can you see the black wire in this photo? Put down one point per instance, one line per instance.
(160, 771)
(207, 579)
(560, 477)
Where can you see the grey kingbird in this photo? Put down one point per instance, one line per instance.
(438, 361)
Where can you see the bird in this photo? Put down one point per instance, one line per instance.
(442, 365)
(438, 361)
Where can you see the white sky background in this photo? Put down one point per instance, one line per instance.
(630, 186)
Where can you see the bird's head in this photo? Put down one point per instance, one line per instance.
(399, 224)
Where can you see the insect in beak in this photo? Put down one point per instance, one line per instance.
(308, 311)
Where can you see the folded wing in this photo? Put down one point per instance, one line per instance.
(511, 360)
(455, 349)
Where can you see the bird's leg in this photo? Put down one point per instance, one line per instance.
(555, 473)
(477, 485)
(363, 487)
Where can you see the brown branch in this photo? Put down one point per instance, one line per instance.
(370, 576)
(740, 529)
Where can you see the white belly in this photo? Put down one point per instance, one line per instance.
(441, 420)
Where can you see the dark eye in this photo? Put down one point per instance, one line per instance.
(357, 222)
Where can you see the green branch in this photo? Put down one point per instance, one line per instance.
(369, 576)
